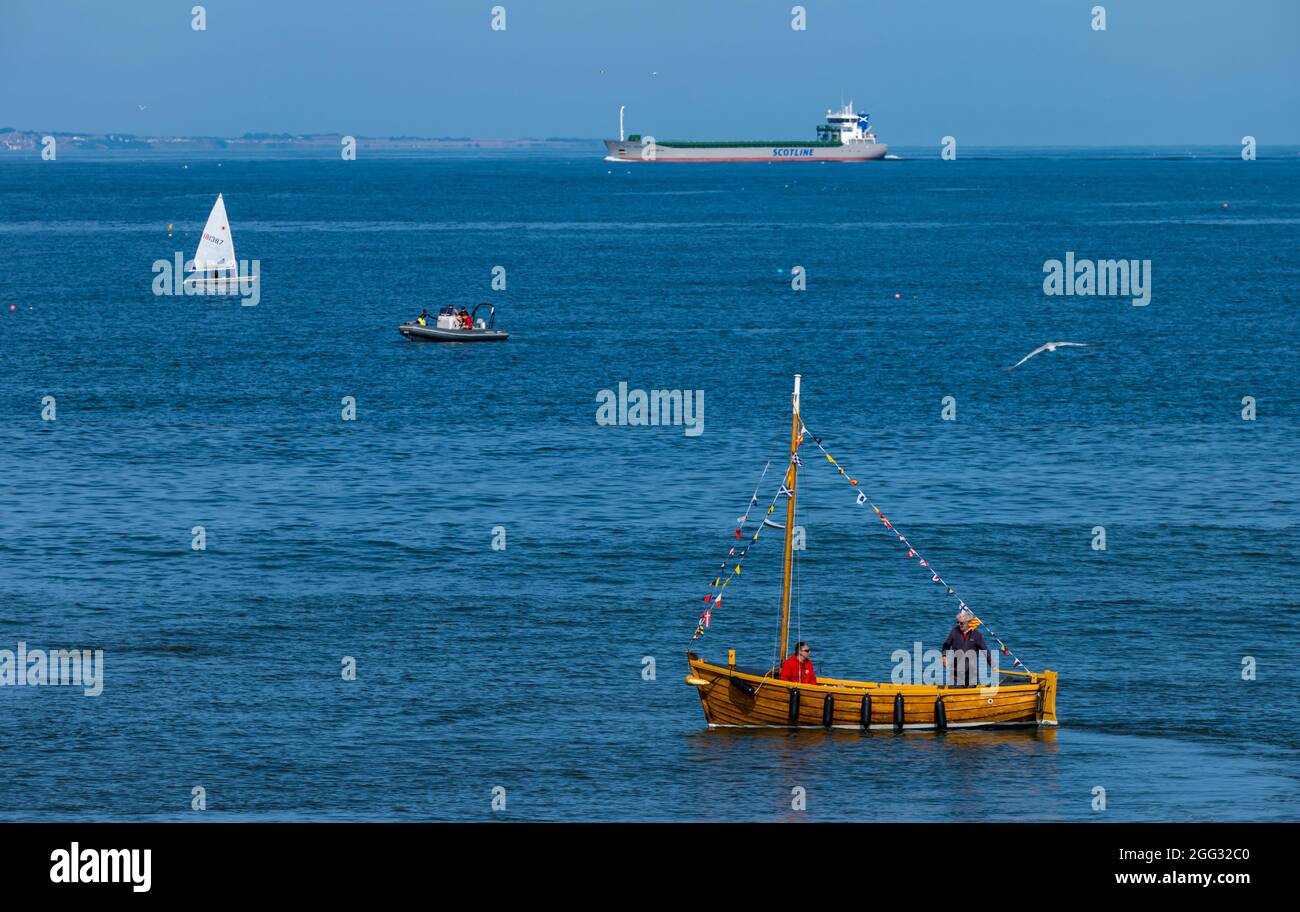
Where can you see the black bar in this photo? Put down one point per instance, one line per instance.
(330, 861)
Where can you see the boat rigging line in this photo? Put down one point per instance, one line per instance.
(912, 552)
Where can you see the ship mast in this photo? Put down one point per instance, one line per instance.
(791, 479)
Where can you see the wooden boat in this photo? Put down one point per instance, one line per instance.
(756, 697)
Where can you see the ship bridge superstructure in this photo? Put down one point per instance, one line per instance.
(846, 126)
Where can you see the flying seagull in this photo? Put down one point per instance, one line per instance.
(1051, 347)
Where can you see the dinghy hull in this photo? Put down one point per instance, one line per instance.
(732, 697)
(434, 334)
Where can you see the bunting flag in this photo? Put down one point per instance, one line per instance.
(935, 576)
(753, 498)
(714, 598)
(720, 582)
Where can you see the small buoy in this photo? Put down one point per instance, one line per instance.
(794, 704)
(1225, 205)
(866, 711)
(897, 295)
(828, 711)
(12, 307)
(940, 715)
(898, 712)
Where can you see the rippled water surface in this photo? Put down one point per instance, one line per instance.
(522, 667)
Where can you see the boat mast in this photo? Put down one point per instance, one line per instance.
(791, 478)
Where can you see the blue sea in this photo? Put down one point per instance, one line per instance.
(553, 668)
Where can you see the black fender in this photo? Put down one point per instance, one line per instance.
(743, 686)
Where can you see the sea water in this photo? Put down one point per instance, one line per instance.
(234, 502)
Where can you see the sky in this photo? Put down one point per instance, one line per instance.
(989, 72)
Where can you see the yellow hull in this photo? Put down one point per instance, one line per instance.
(731, 697)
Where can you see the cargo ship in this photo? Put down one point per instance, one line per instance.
(845, 136)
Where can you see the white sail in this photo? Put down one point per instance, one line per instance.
(216, 246)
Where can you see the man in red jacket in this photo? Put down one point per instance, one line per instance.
(799, 667)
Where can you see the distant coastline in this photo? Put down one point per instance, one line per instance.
(29, 142)
(20, 145)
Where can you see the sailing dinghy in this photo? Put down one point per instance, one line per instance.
(737, 697)
(214, 267)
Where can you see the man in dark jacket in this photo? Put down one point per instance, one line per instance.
(964, 644)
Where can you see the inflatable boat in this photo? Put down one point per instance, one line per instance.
(450, 328)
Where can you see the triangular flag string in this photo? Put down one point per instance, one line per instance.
(912, 551)
(714, 598)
